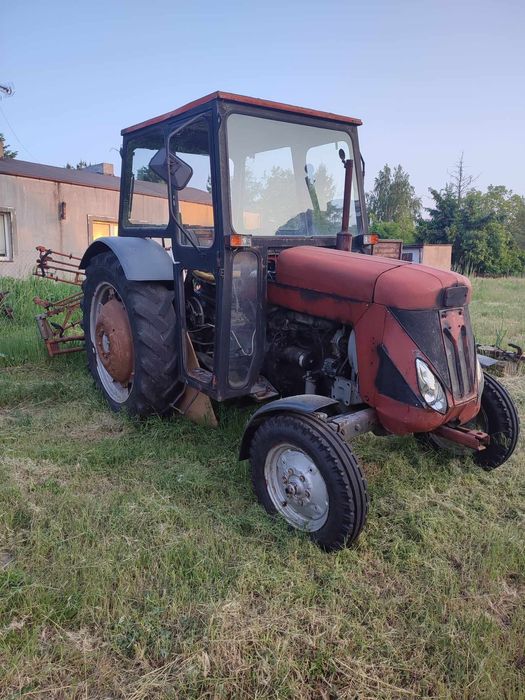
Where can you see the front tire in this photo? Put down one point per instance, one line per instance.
(497, 417)
(129, 332)
(303, 471)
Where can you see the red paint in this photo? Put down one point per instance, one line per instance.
(417, 286)
(356, 289)
(243, 99)
(335, 272)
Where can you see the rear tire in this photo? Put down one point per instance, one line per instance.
(303, 471)
(498, 417)
(153, 384)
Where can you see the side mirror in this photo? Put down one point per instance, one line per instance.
(180, 172)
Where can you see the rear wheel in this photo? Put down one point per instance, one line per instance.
(303, 471)
(130, 339)
(497, 417)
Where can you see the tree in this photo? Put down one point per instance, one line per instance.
(394, 200)
(146, 174)
(8, 151)
(460, 181)
(477, 226)
(510, 210)
(81, 164)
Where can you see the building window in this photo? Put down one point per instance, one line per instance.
(6, 236)
(100, 226)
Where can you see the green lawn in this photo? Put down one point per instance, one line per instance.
(135, 563)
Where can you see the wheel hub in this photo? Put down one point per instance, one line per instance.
(113, 341)
(296, 487)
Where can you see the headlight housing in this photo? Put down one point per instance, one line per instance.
(430, 387)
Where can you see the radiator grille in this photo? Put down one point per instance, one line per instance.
(460, 351)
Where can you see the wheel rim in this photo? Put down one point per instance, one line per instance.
(479, 422)
(296, 487)
(112, 342)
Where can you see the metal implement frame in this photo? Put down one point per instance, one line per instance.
(55, 334)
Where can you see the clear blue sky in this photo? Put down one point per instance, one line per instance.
(428, 79)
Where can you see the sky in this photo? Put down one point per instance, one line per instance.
(429, 79)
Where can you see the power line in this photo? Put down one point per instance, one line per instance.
(15, 134)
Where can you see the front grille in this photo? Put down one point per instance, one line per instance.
(460, 351)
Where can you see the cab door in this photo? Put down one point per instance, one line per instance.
(196, 239)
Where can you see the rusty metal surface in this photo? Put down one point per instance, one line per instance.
(56, 333)
(114, 341)
(50, 262)
(193, 403)
(474, 439)
(58, 320)
(245, 100)
(350, 425)
(348, 276)
(388, 249)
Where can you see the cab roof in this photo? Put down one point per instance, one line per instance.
(243, 99)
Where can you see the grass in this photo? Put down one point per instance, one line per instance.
(135, 563)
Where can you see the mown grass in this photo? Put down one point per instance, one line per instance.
(135, 563)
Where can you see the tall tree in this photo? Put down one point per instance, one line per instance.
(394, 200)
(461, 182)
(8, 151)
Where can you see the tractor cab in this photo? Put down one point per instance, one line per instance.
(237, 180)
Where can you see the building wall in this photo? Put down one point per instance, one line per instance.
(437, 255)
(35, 204)
(36, 221)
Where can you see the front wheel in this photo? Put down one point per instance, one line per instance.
(303, 471)
(497, 417)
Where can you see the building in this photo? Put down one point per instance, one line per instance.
(66, 209)
(433, 254)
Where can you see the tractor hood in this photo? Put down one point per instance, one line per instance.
(365, 278)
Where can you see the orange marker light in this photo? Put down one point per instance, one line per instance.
(239, 241)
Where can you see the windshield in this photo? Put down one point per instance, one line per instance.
(288, 179)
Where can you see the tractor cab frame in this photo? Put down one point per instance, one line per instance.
(236, 147)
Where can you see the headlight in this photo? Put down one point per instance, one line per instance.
(430, 387)
(480, 377)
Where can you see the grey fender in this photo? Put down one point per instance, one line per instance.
(301, 404)
(142, 260)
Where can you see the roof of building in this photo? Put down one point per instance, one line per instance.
(244, 99)
(87, 178)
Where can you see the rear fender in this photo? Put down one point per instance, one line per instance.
(142, 260)
(300, 404)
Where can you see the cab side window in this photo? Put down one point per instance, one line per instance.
(148, 205)
(192, 206)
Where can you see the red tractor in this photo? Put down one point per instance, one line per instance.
(242, 268)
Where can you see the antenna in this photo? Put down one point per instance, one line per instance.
(6, 90)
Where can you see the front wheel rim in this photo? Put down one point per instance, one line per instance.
(296, 487)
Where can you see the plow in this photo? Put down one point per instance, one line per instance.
(60, 322)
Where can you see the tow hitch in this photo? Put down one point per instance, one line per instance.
(475, 439)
